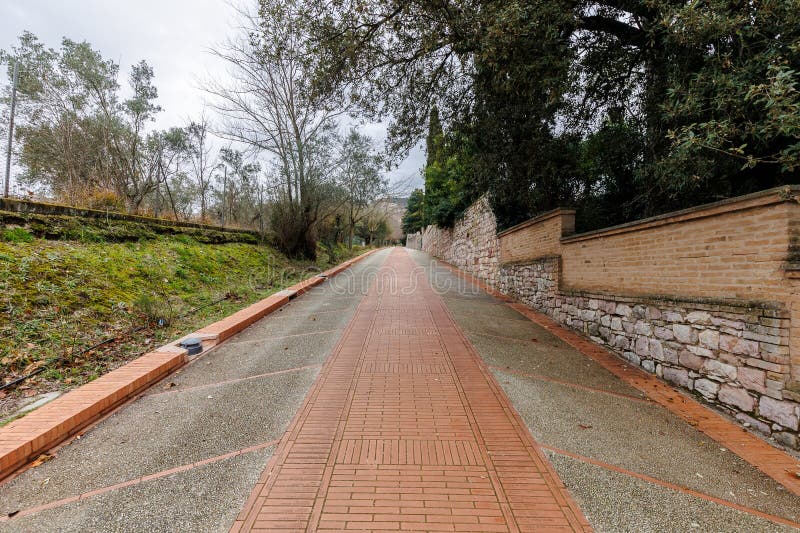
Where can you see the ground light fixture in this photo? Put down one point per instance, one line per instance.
(194, 346)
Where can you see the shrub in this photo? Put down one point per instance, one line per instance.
(323, 257)
(155, 309)
(105, 200)
(294, 233)
(16, 235)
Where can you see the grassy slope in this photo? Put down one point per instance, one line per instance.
(58, 298)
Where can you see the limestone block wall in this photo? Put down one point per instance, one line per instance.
(472, 244)
(414, 241)
(707, 298)
(723, 351)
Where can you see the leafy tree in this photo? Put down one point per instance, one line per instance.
(434, 142)
(733, 102)
(414, 217)
(374, 229)
(450, 183)
(61, 124)
(609, 166)
(360, 178)
(709, 91)
(498, 70)
(136, 159)
(76, 135)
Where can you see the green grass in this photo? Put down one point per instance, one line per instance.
(16, 235)
(23, 227)
(58, 297)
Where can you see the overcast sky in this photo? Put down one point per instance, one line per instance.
(173, 36)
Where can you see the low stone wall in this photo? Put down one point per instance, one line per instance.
(13, 205)
(706, 299)
(727, 352)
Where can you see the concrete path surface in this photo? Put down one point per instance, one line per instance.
(186, 454)
(438, 408)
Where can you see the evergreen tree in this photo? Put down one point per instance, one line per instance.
(414, 217)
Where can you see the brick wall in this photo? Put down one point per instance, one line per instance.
(707, 298)
(538, 237)
(736, 250)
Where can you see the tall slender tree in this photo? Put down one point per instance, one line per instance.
(200, 158)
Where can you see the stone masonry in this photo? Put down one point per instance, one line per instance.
(472, 245)
(730, 355)
(730, 352)
(414, 241)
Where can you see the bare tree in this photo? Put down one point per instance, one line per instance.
(240, 195)
(170, 149)
(200, 161)
(267, 106)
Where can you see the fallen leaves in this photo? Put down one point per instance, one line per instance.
(41, 460)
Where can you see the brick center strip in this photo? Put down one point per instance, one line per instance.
(405, 429)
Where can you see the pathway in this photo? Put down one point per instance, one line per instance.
(401, 400)
(406, 429)
(185, 455)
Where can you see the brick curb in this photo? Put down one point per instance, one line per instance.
(775, 463)
(25, 439)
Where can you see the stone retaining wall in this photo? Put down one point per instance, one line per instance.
(414, 241)
(13, 205)
(471, 245)
(707, 299)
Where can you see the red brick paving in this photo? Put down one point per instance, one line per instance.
(405, 429)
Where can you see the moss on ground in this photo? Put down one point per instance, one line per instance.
(60, 297)
(59, 227)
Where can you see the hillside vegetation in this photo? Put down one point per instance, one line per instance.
(131, 285)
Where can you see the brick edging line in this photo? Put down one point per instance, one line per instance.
(25, 439)
(775, 463)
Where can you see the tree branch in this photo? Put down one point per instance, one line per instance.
(626, 33)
